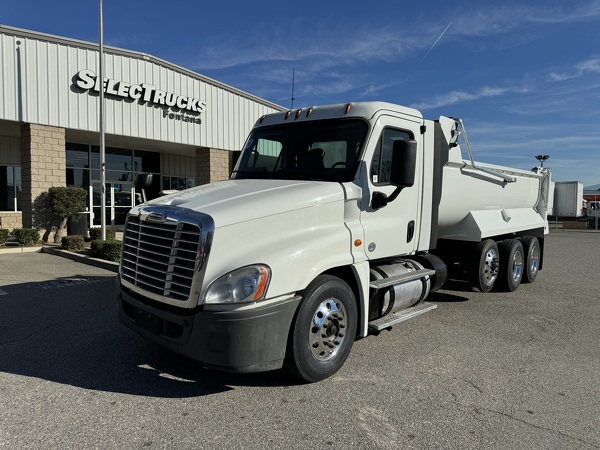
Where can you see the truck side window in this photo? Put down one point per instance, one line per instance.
(382, 157)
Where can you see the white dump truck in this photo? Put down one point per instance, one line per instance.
(337, 221)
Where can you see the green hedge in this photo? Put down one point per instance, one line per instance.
(4, 235)
(75, 242)
(27, 237)
(109, 250)
(96, 234)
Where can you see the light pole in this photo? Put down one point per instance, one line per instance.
(101, 127)
(542, 158)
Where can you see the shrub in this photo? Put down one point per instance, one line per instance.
(75, 242)
(67, 203)
(4, 234)
(27, 236)
(96, 234)
(109, 250)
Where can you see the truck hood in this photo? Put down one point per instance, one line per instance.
(235, 201)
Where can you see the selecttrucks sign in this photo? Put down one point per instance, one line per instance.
(87, 80)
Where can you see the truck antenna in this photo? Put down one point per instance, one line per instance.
(293, 81)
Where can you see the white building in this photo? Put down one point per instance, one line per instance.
(160, 118)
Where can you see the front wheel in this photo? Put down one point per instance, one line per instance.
(323, 331)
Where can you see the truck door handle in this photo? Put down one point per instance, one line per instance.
(410, 231)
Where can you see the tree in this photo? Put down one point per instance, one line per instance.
(66, 203)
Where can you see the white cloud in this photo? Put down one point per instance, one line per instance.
(326, 55)
(504, 19)
(591, 65)
(574, 153)
(462, 96)
(333, 44)
(561, 76)
(325, 49)
(541, 100)
(374, 89)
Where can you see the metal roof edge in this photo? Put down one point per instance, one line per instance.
(20, 32)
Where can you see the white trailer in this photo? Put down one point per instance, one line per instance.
(568, 199)
(337, 221)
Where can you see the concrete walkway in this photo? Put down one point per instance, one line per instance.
(56, 250)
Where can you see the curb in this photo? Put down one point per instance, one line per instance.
(19, 249)
(573, 230)
(102, 263)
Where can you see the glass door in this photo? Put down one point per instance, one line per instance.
(119, 200)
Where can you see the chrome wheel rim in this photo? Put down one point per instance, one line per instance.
(490, 267)
(517, 266)
(328, 329)
(535, 260)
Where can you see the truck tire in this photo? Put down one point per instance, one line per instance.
(483, 272)
(531, 247)
(512, 263)
(323, 331)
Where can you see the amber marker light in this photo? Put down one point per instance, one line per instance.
(309, 112)
(357, 242)
(348, 107)
(298, 113)
(262, 283)
(261, 119)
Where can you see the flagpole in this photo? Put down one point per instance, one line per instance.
(101, 128)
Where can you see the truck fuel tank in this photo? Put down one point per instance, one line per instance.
(397, 296)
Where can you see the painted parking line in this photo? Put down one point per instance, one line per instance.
(53, 284)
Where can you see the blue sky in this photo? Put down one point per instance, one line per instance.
(524, 76)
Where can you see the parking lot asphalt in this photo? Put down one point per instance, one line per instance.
(499, 370)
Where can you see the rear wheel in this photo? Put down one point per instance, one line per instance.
(512, 261)
(531, 247)
(323, 331)
(484, 268)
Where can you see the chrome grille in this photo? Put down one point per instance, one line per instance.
(161, 257)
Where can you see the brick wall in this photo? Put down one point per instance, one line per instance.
(11, 220)
(212, 165)
(43, 165)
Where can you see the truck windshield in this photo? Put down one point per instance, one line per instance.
(324, 150)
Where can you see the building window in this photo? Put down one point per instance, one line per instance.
(177, 183)
(117, 163)
(10, 188)
(148, 162)
(78, 165)
(122, 166)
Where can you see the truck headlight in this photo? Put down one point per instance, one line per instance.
(247, 284)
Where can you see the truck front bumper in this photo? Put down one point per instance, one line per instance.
(240, 340)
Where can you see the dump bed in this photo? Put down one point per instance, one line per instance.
(482, 200)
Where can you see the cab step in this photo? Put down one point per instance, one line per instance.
(403, 278)
(401, 316)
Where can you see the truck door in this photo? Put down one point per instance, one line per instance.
(393, 229)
